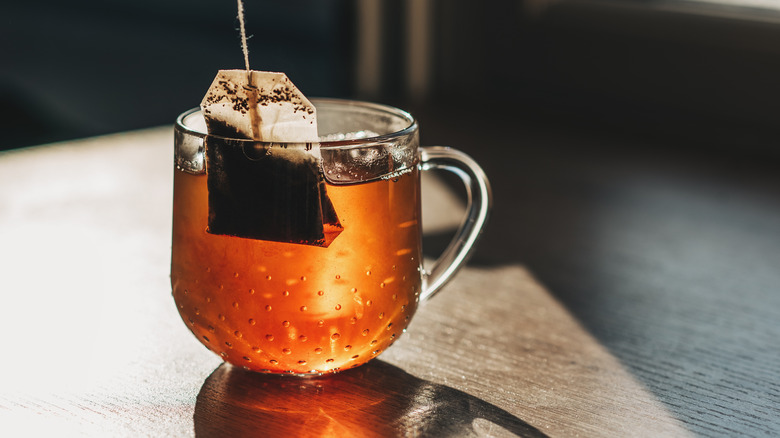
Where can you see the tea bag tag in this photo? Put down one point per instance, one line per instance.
(270, 187)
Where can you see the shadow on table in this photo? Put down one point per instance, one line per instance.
(377, 399)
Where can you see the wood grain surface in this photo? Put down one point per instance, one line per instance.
(568, 328)
(665, 247)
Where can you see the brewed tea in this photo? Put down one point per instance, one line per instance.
(283, 307)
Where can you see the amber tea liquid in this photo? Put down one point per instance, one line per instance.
(280, 307)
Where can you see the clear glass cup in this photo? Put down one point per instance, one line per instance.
(280, 307)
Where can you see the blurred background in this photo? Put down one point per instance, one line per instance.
(658, 68)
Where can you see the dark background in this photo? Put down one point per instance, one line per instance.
(82, 67)
(632, 146)
(652, 68)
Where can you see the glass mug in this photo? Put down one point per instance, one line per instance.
(291, 308)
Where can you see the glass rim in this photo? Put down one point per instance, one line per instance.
(331, 144)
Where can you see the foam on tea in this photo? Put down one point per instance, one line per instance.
(263, 161)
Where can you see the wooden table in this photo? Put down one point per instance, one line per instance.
(614, 341)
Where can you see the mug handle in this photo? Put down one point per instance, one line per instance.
(479, 199)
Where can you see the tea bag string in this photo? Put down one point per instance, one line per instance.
(244, 46)
(254, 116)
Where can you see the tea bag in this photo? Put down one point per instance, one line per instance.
(271, 187)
